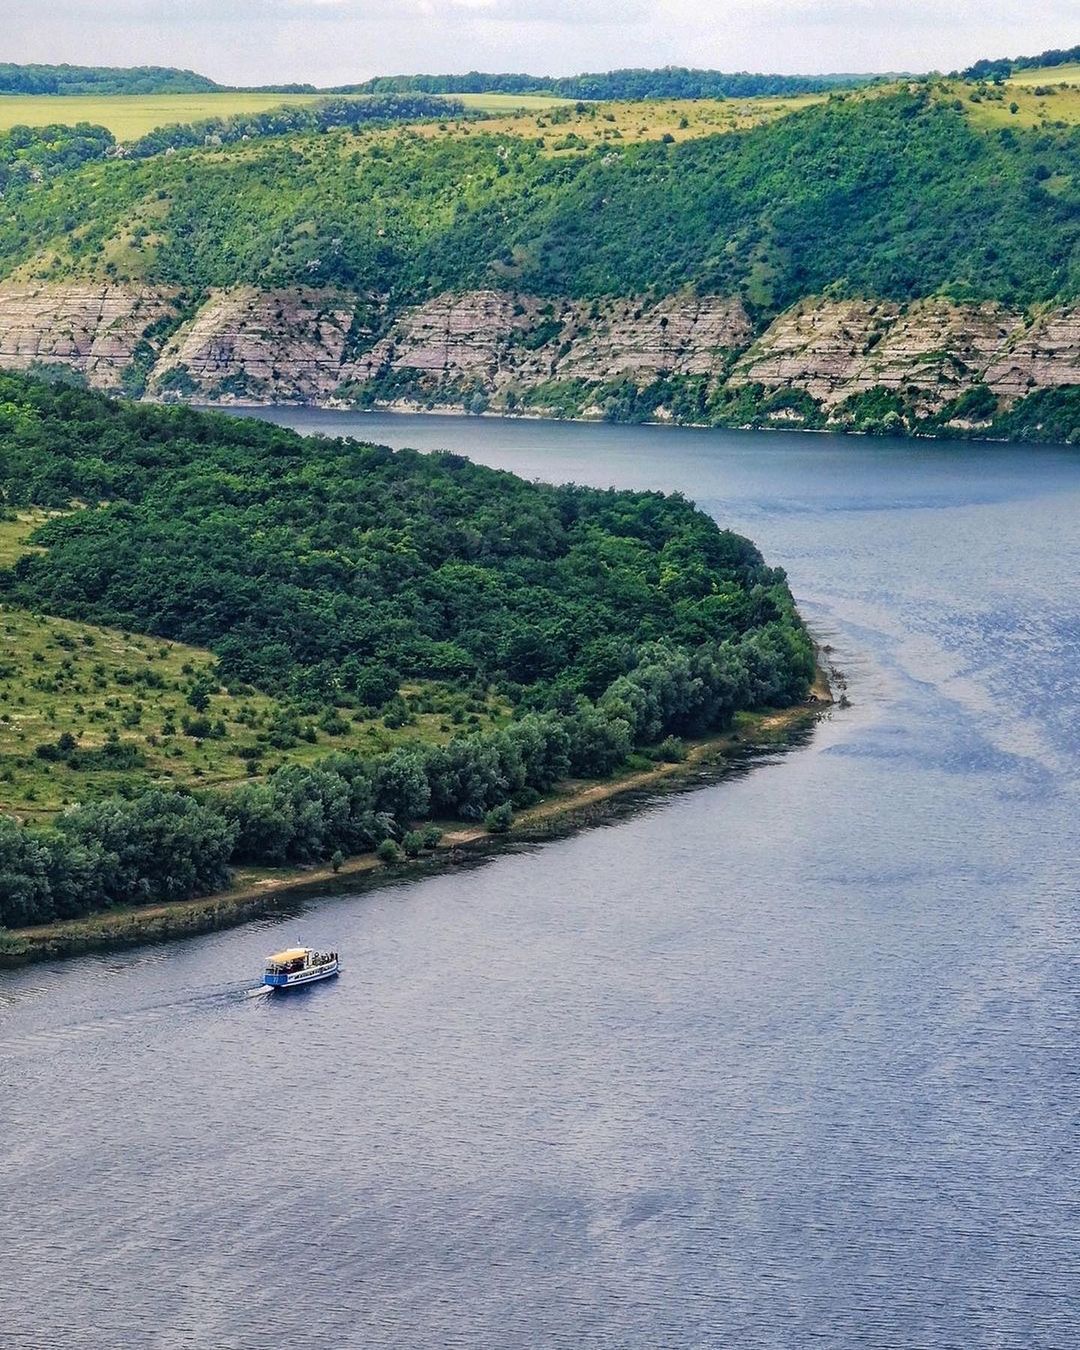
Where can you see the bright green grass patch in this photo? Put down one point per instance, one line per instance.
(129, 116)
(566, 127)
(1031, 109)
(15, 531)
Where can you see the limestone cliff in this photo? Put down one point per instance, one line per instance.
(932, 350)
(506, 340)
(329, 346)
(95, 329)
(260, 346)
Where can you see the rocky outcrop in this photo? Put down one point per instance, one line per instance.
(500, 340)
(931, 350)
(680, 335)
(95, 329)
(1042, 355)
(315, 345)
(453, 337)
(283, 346)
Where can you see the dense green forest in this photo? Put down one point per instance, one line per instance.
(895, 195)
(337, 572)
(64, 79)
(28, 154)
(666, 82)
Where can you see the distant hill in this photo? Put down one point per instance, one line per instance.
(921, 239)
(668, 82)
(895, 195)
(1003, 67)
(16, 79)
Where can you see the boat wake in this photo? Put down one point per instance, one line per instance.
(145, 1015)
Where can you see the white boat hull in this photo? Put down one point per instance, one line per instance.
(295, 978)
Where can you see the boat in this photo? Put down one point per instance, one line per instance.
(299, 965)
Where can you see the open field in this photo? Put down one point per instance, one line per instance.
(106, 689)
(507, 102)
(128, 116)
(1067, 74)
(562, 127)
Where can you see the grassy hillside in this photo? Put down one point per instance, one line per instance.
(144, 712)
(1067, 73)
(896, 194)
(1023, 105)
(567, 128)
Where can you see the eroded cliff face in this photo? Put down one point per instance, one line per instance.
(95, 329)
(283, 346)
(931, 350)
(331, 347)
(506, 340)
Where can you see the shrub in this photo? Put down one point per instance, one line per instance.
(388, 852)
(499, 819)
(413, 843)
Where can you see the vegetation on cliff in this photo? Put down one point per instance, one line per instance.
(895, 195)
(333, 574)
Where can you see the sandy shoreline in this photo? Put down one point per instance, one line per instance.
(573, 805)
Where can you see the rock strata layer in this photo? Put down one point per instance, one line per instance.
(264, 346)
(326, 346)
(95, 329)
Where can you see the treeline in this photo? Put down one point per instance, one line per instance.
(667, 82)
(65, 79)
(28, 154)
(1003, 67)
(295, 119)
(897, 196)
(162, 846)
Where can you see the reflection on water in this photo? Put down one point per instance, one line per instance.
(787, 1061)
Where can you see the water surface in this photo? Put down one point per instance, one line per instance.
(788, 1061)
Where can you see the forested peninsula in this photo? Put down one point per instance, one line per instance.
(186, 592)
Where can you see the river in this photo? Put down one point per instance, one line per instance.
(792, 1060)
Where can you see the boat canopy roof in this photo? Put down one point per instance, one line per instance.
(289, 954)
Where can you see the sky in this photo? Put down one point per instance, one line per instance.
(338, 41)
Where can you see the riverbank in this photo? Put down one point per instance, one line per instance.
(573, 805)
